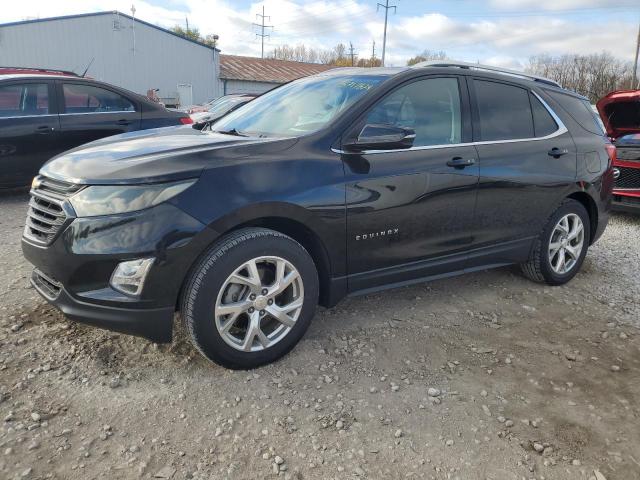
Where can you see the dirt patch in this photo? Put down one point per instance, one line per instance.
(486, 376)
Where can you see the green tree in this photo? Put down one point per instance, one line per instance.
(190, 33)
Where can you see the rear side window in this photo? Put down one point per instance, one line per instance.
(543, 122)
(580, 110)
(90, 99)
(504, 111)
(24, 100)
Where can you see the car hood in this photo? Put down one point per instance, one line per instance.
(620, 112)
(156, 155)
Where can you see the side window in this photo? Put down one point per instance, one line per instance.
(431, 107)
(504, 111)
(23, 100)
(90, 99)
(543, 122)
(580, 110)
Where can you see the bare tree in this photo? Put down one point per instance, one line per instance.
(427, 55)
(301, 53)
(592, 75)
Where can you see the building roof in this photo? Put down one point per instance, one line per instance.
(111, 12)
(234, 67)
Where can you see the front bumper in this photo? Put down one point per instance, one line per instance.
(155, 324)
(623, 202)
(73, 271)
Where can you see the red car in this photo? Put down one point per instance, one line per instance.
(620, 112)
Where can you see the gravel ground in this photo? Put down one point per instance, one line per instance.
(485, 376)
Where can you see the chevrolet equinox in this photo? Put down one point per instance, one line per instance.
(343, 183)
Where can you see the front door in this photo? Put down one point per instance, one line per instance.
(409, 212)
(527, 163)
(28, 131)
(89, 113)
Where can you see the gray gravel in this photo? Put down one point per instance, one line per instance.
(486, 376)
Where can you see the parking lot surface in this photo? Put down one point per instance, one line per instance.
(486, 376)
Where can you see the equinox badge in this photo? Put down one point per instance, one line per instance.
(383, 233)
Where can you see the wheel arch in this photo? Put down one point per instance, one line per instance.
(592, 209)
(291, 220)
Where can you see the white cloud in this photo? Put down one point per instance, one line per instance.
(323, 23)
(559, 4)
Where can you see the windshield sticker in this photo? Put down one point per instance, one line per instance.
(357, 85)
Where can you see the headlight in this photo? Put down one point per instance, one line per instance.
(112, 199)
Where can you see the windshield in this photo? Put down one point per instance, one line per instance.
(227, 104)
(300, 107)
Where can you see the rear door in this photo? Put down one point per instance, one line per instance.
(89, 112)
(28, 130)
(527, 163)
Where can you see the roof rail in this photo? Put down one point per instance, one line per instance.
(476, 66)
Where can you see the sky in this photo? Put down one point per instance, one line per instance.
(498, 32)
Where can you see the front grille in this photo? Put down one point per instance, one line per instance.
(47, 286)
(46, 213)
(629, 178)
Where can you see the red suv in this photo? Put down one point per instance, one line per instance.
(620, 112)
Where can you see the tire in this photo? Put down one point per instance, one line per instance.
(216, 286)
(539, 267)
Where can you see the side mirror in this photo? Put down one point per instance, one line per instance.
(381, 137)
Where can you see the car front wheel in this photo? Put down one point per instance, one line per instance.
(251, 298)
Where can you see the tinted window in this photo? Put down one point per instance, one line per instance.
(543, 122)
(431, 107)
(21, 100)
(504, 111)
(580, 110)
(90, 99)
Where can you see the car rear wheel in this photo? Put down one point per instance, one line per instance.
(560, 249)
(251, 298)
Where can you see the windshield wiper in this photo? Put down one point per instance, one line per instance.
(233, 131)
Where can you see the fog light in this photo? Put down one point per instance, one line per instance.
(128, 277)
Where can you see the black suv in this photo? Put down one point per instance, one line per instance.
(347, 182)
(44, 114)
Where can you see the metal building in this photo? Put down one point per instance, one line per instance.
(118, 49)
(258, 75)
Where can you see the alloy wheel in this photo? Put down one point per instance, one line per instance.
(567, 242)
(259, 303)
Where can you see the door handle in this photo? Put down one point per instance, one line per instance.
(124, 122)
(44, 129)
(460, 163)
(556, 152)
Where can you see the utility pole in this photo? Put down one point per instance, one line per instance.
(635, 62)
(373, 54)
(262, 27)
(386, 17)
(352, 54)
(133, 29)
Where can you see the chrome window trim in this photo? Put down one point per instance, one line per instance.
(98, 113)
(562, 129)
(31, 116)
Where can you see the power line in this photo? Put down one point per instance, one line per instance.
(386, 16)
(262, 27)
